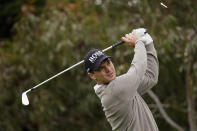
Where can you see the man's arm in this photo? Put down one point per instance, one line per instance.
(150, 77)
(125, 86)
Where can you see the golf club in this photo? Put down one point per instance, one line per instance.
(25, 100)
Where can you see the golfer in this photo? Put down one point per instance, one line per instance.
(120, 96)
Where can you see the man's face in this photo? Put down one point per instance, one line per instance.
(105, 73)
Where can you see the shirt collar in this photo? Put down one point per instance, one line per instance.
(96, 87)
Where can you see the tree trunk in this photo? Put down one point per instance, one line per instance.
(190, 98)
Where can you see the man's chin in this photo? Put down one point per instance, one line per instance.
(112, 78)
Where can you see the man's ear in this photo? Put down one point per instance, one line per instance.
(91, 75)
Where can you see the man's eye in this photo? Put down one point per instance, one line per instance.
(100, 69)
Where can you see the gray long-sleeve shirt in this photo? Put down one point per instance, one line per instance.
(124, 108)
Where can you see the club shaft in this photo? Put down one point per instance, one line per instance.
(56, 75)
(112, 46)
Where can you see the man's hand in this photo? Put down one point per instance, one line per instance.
(130, 38)
(140, 32)
(143, 35)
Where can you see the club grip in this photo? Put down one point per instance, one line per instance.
(117, 44)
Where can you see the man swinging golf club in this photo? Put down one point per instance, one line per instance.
(120, 96)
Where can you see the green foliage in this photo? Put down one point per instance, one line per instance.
(12, 11)
(60, 36)
(8, 16)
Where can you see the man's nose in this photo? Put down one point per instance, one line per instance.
(107, 68)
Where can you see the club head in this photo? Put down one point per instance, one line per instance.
(25, 100)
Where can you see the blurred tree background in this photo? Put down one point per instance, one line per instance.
(39, 38)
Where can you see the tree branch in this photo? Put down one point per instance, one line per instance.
(163, 112)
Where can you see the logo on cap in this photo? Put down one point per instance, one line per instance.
(94, 56)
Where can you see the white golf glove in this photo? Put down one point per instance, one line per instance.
(143, 35)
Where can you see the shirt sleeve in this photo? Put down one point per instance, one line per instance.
(125, 86)
(150, 77)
